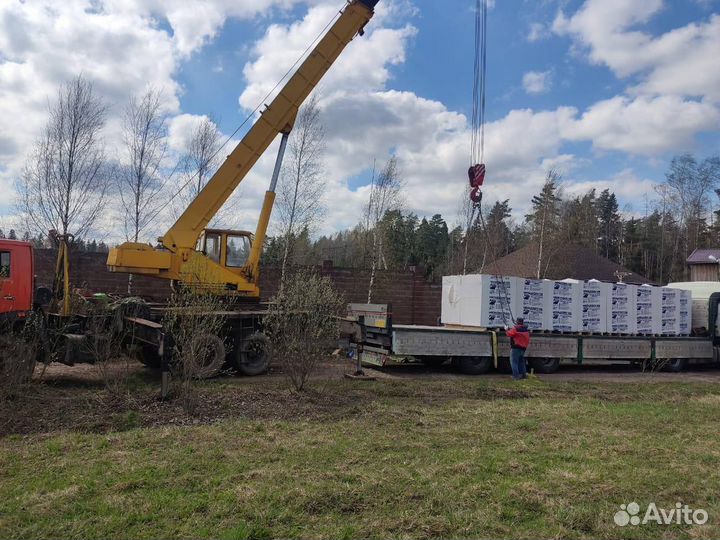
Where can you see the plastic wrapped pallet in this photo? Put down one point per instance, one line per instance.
(450, 306)
(622, 309)
(564, 312)
(533, 302)
(649, 310)
(670, 312)
(685, 313)
(593, 306)
(479, 300)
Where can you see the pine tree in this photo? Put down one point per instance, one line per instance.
(544, 220)
(609, 225)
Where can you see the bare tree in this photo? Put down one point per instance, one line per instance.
(300, 193)
(65, 181)
(690, 185)
(200, 161)
(385, 195)
(194, 320)
(139, 182)
(138, 179)
(303, 324)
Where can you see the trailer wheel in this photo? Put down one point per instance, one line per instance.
(253, 356)
(677, 365)
(545, 365)
(148, 356)
(209, 349)
(433, 361)
(472, 365)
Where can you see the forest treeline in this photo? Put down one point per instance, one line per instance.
(680, 215)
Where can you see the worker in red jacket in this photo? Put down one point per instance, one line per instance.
(519, 341)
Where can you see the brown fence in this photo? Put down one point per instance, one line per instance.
(414, 300)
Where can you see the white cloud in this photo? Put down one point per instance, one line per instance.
(643, 125)
(635, 191)
(364, 65)
(537, 82)
(537, 32)
(365, 118)
(682, 61)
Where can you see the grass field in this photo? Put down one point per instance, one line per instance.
(416, 458)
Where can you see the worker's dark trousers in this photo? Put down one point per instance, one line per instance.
(517, 363)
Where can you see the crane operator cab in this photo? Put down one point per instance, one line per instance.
(230, 249)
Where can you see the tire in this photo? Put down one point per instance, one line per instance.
(212, 352)
(545, 365)
(472, 365)
(433, 361)
(677, 365)
(148, 356)
(253, 355)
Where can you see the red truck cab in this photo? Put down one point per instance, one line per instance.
(16, 278)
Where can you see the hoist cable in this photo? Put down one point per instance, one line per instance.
(479, 83)
(477, 144)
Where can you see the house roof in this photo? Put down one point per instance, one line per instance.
(702, 256)
(568, 261)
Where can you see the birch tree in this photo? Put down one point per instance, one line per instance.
(385, 195)
(201, 158)
(65, 181)
(145, 144)
(300, 190)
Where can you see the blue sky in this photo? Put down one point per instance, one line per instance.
(605, 90)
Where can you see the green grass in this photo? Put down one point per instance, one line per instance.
(460, 458)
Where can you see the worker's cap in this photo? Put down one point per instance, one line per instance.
(520, 320)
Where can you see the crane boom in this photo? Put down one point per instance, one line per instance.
(172, 260)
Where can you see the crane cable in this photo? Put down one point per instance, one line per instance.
(476, 172)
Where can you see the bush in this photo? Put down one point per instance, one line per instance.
(194, 324)
(19, 345)
(302, 324)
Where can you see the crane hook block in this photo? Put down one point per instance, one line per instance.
(476, 173)
(476, 195)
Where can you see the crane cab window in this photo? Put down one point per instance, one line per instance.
(238, 250)
(4, 264)
(212, 246)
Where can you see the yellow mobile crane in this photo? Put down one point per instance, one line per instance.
(229, 260)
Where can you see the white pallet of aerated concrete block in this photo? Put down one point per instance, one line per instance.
(670, 321)
(450, 305)
(685, 313)
(649, 310)
(479, 300)
(593, 306)
(622, 309)
(533, 302)
(564, 312)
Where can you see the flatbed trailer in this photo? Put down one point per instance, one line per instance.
(379, 342)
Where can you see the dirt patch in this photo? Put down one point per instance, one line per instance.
(63, 398)
(75, 398)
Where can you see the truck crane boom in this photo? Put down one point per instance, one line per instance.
(229, 260)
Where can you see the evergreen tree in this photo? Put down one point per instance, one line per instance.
(432, 243)
(12, 235)
(609, 221)
(544, 221)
